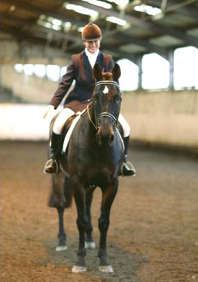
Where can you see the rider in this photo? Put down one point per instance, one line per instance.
(80, 70)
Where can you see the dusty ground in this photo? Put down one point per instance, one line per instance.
(153, 232)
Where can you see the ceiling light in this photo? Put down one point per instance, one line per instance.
(99, 4)
(12, 8)
(81, 10)
(48, 25)
(158, 17)
(80, 28)
(67, 24)
(121, 3)
(150, 10)
(56, 22)
(45, 24)
(56, 27)
(42, 17)
(116, 21)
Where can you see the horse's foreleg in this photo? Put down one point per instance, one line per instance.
(89, 242)
(108, 195)
(61, 234)
(79, 196)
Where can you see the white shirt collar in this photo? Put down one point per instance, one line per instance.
(92, 57)
(91, 54)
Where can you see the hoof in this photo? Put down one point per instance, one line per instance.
(77, 268)
(61, 248)
(106, 268)
(90, 245)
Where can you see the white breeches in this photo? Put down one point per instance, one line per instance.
(61, 119)
(125, 125)
(67, 113)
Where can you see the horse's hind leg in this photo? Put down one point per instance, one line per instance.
(108, 195)
(61, 234)
(58, 201)
(60, 208)
(89, 242)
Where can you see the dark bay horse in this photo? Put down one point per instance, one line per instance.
(93, 159)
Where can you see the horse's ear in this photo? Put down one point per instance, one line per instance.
(97, 72)
(116, 72)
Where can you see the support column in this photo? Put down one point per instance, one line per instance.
(171, 70)
(139, 63)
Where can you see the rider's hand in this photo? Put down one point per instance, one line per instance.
(49, 109)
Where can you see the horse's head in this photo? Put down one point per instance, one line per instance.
(106, 103)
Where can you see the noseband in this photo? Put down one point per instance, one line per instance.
(104, 114)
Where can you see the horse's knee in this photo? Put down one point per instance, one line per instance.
(103, 224)
(82, 223)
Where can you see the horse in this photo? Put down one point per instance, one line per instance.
(93, 158)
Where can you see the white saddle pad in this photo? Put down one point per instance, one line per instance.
(69, 132)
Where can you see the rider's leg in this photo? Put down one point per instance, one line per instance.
(52, 165)
(128, 169)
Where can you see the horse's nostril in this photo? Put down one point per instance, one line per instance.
(111, 138)
(98, 138)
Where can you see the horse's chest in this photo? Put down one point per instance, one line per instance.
(97, 167)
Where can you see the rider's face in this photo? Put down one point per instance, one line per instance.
(92, 46)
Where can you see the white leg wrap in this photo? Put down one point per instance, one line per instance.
(125, 125)
(61, 119)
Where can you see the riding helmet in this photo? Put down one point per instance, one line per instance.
(91, 32)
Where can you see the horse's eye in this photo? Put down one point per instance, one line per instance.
(118, 98)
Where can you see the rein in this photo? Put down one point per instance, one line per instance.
(89, 116)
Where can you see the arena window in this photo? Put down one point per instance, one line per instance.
(155, 72)
(63, 71)
(28, 69)
(186, 68)
(39, 70)
(129, 78)
(18, 68)
(53, 72)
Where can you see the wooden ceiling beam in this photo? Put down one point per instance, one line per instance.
(125, 39)
(177, 33)
(43, 32)
(43, 11)
(173, 6)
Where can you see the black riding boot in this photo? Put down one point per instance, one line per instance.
(127, 169)
(52, 165)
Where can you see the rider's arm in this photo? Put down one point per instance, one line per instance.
(64, 86)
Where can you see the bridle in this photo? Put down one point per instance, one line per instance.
(103, 114)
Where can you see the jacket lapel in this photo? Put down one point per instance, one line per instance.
(99, 59)
(87, 66)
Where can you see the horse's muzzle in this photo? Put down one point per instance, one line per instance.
(105, 137)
